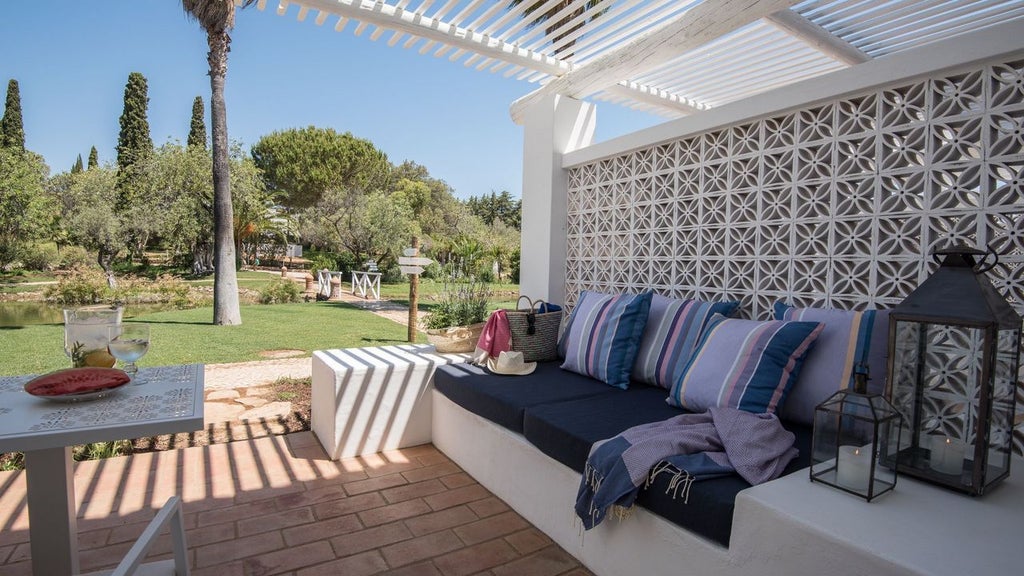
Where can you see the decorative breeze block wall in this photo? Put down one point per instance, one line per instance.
(838, 204)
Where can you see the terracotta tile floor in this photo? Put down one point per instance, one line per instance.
(277, 505)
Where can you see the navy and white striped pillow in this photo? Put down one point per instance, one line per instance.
(670, 336)
(603, 335)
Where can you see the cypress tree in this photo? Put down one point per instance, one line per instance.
(133, 143)
(12, 131)
(78, 165)
(197, 133)
(94, 159)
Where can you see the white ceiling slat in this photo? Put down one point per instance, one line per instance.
(444, 10)
(633, 23)
(321, 17)
(377, 33)
(469, 9)
(303, 12)
(497, 67)
(613, 14)
(709, 20)
(395, 37)
(654, 96)
(426, 47)
(361, 27)
(340, 25)
(282, 7)
(541, 28)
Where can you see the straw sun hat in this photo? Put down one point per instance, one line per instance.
(510, 364)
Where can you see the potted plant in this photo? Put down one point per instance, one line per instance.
(456, 321)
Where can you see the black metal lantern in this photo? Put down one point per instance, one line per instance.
(954, 351)
(855, 434)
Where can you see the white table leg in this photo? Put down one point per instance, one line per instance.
(53, 521)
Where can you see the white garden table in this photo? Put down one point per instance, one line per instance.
(162, 400)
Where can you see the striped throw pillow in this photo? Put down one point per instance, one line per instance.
(673, 328)
(849, 338)
(744, 364)
(603, 334)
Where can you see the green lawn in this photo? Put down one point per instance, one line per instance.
(246, 279)
(187, 336)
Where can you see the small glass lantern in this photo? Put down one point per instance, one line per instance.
(855, 434)
(954, 352)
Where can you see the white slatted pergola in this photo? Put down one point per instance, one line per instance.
(668, 57)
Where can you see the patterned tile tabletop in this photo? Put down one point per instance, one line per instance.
(160, 400)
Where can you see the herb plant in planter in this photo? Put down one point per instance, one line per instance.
(456, 321)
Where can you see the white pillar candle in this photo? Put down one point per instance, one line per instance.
(947, 455)
(853, 467)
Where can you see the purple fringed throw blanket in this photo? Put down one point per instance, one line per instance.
(691, 447)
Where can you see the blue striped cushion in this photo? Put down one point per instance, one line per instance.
(849, 338)
(673, 328)
(603, 334)
(744, 364)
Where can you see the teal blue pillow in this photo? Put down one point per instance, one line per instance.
(603, 334)
(744, 364)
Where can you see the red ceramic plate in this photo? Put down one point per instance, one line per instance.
(77, 384)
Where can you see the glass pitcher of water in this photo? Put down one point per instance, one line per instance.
(86, 334)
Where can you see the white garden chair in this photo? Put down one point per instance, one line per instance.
(170, 516)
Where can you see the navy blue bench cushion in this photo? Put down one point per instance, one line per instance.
(566, 430)
(710, 507)
(504, 399)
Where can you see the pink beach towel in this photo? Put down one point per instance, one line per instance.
(495, 339)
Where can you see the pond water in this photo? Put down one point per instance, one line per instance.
(26, 313)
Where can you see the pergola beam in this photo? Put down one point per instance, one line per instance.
(701, 24)
(817, 37)
(434, 29)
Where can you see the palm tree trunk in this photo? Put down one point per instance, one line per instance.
(225, 280)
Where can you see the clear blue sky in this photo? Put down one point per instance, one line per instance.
(72, 61)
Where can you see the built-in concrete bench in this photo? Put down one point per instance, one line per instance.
(370, 399)
(366, 400)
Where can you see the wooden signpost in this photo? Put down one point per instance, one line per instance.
(410, 263)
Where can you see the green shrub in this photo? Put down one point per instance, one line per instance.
(280, 291)
(463, 300)
(75, 257)
(89, 286)
(171, 289)
(322, 260)
(42, 257)
(81, 286)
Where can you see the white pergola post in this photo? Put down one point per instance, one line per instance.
(552, 126)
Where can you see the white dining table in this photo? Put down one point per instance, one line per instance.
(160, 400)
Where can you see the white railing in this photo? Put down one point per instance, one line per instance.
(323, 279)
(363, 282)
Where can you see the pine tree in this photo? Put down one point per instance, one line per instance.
(197, 133)
(94, 159)
(78, 165)
(133, 143)
(12, 131)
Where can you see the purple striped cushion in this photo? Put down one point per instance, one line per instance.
(744, 364)
(603, 334)
(673, 328)
(849, 338)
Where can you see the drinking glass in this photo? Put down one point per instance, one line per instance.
(128, 343)
(86, 333)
